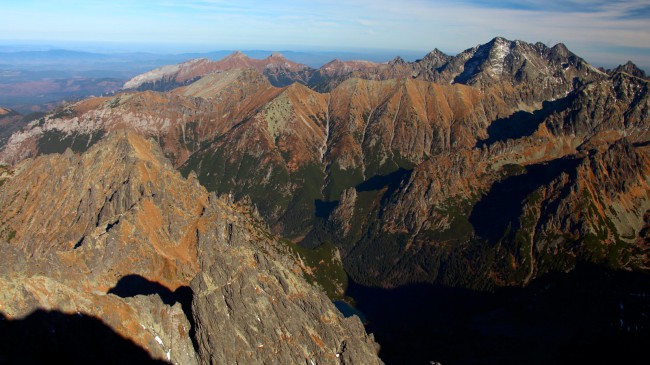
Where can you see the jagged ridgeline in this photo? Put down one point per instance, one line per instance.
(114, 245)
(498, 167)
(482, 169)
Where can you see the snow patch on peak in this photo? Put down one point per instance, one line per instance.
(499, 53)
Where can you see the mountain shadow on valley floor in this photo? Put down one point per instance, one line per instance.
(390, 181)
(591, 315)
(521, 124)
(324, 230)
(131, 285)
(497, 213)
(52, 337)
(323, 209)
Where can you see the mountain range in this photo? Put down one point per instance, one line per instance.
(495, 168)
(38, 78)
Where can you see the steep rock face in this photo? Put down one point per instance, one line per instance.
(377, 126)
(97, 234)
(525, 73)
(534, 72)
(431, 64)
(282, 72)
(302, 146)
(620, 104)
(74, 226)
(250, 307)
(248, 137)
(244, 136)
(159, 329)
(631, 69)
(591, 211)
(124, 205)
(470, 208)
(504, 223)
(609, 213)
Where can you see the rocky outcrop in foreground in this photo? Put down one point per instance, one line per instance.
(118, 237)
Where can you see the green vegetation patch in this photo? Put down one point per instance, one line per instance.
(278, 194)
(459, 229)
(339, 180)
(326, 268)
(11, 235)
(300, 212)
(54, 141)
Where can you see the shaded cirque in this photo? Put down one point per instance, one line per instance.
(522, 124)
(499, 210)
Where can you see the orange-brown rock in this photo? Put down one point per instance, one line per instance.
(420, 143)
(98, 234)
(276, 68)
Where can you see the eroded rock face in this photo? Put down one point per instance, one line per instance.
(398, 156)
(118, 235)
(631, 69)
(74, 226)
(251, 306)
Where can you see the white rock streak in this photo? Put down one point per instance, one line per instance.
(159, 73)
(500, 51)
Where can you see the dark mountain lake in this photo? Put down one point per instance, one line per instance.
(348, 311)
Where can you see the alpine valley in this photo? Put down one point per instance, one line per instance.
(491, 207)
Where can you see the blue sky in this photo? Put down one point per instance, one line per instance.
(604, 32)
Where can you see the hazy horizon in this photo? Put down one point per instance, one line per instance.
(370, 54)
(605, 33)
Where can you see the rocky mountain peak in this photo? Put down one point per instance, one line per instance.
(437, 57)
(631, 69)
(561, 50)
(499, 40)
(333, 63)
(277, 55)
(397, 61)
(236, 54)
